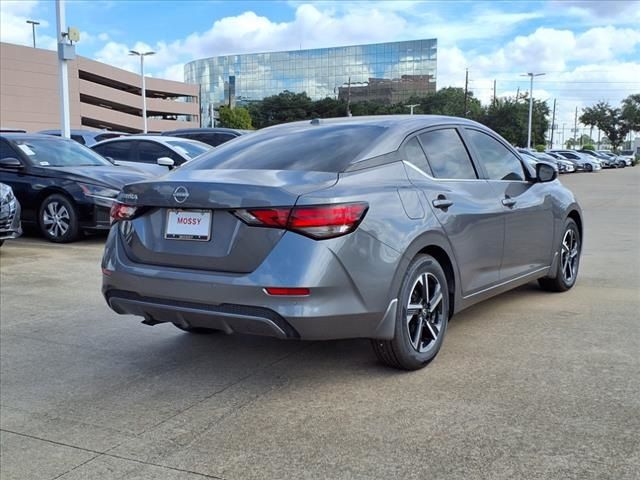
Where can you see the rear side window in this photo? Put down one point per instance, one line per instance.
(115, 150)
(499, 162)
(79, 139)
(414, 154)
(330, 148)
(447, 155)
(150, 152)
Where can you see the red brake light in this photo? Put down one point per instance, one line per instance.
(120, 211)
(315, 221)
(289, 292)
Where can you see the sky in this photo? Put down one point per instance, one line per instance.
(588, 50)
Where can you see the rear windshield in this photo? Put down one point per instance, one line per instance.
(322, 149)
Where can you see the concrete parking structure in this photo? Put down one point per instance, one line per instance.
(527, 385)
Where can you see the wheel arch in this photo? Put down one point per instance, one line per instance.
(435, 244)
(575, 215)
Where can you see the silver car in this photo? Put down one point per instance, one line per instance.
(364, 227)
(10, 226)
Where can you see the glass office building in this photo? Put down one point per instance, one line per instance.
(383, 72)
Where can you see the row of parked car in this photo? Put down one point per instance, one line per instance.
(66, 187)
(569, 161)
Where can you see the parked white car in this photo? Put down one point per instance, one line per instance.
(581, 161)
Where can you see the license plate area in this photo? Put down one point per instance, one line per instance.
(188, 224)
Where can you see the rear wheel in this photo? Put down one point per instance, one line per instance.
(421, 318)
(567, 270)
(197, 330)
(58, 219)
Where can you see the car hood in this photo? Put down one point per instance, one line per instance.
(109, 176)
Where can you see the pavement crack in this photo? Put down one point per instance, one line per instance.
(99, 454)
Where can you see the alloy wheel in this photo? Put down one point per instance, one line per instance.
(425, 312)
(56, 219)
(569, 255)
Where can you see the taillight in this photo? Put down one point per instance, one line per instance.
(287, 292)
(315, 221)
(120, 211)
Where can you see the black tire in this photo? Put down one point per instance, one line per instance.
(196, 330)
(1, 242)
(401, 352)
(67, 216)
(588, 167)
(563, 282)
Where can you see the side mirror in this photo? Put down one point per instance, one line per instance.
(166, 162)
(11, 162)
(545, 172)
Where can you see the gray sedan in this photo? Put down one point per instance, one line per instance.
(364, 227)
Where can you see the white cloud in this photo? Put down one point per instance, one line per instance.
(14, 27)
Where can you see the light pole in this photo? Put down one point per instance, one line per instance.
(144, 92)
(530, 104)
(412, 107)
(33, 30)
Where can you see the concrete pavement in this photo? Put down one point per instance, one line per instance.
(528, 385)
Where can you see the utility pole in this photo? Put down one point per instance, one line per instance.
(494, 91)
(553, 122)
(144, 90)
(63, 56)
(517, 95)
(33, 30)
(466, 90)
(349, 98)
(531, 75)
(562, 146)
(575, 129)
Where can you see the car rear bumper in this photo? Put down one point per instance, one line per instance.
(336, 307)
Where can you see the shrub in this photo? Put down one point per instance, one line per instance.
(588, 147)
(540, 148)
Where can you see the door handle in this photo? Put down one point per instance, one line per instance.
(442, 202)
(509, 202)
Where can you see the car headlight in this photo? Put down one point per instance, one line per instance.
(6, 194)
(99, 192)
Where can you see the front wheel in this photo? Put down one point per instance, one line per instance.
(421, 317)
(567, 270)
(58, 219)
(588, 167)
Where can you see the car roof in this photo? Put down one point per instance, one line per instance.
(81, 131)
(397, 127)
(29, 136)
(164, 140)
(205, 130)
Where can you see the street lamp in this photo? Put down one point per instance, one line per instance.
(144, 92)
(412, 107)
(530, 104)
(33, 30)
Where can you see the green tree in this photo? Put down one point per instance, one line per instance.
(631, 112)
(449, 101)
(284, 107)
(235, 118)
(609, 120)
(510, 118)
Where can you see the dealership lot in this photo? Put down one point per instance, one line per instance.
(528, 385)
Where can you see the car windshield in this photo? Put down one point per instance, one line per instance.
(329, 149)
(57, 152)
(189, 149)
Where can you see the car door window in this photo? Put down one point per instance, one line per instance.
(498, 161)
(119, 151)
(150, 152)
(414, 154)
(447, 155)
(6, 151)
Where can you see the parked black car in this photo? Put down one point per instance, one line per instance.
(9, 214)
(63, 187)
(211, 136)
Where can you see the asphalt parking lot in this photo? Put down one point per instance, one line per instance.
(528, 385)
